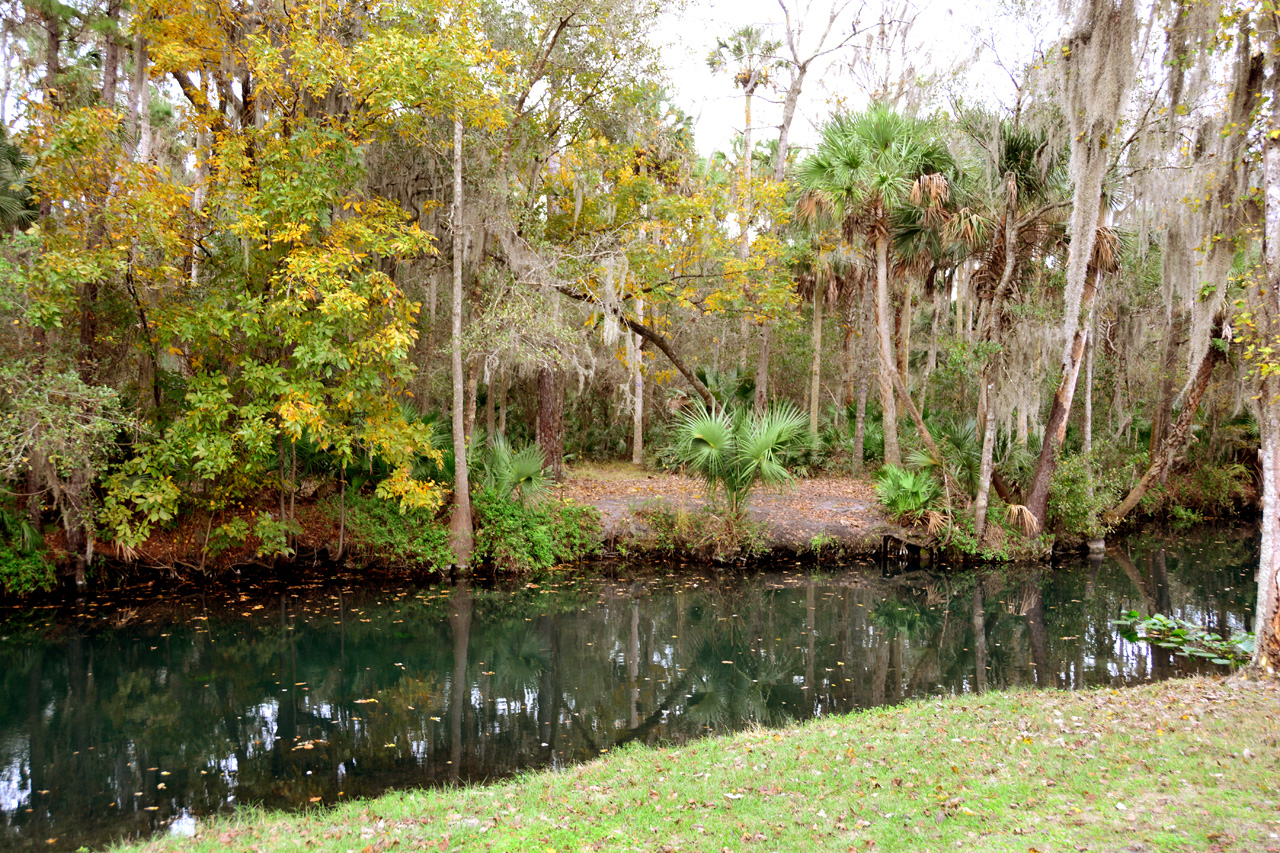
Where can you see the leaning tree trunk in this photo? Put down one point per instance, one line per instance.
(1055, 431)
(1173, 442)
(461, 535)
(886, 367)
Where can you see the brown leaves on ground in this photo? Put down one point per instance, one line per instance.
(835, 510)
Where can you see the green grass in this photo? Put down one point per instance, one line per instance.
(1186, 765)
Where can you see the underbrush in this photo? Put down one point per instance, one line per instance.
(515, 537)
(25, 567)
(378, 528)
(705, 533)
(511, 536)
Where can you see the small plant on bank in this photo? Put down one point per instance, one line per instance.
(703, 533)
(24, 566)
(907, 495)
(1186, 639)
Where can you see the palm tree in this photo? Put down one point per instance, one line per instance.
(732, 450)
(752, 58)
(866, 167)
(16, 207)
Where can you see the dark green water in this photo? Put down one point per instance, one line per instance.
(121, 717)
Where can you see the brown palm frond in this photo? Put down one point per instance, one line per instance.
(813, 208)
(1106, 250)
(1022, 518)
(936, 522)
(127, 553)
(930, 190)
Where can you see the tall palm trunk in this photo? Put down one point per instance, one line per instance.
(886, 368)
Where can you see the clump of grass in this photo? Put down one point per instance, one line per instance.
(1182, 765)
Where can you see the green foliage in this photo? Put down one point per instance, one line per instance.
(1187, 639)
(961, 451)
(1079, 495)
(380, 529)
(514, 474)
(274, 536)
(516, 537)
(907, 494)
(708, 535)
(25, 568)
(732, 450)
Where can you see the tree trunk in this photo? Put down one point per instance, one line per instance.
(1088, 393)
(1266, 656)
(904, 333)
(503, 385)
(988, 421)
(886, 367)
(860, 423)
(637, 387)
(110, 56)
(547, 433)
(473, 388)
(815, 370)
(460, 526)
(762, 368)
(1173, 442)
(1055, 430)
(490, 416)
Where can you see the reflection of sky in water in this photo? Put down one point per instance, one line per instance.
(15, 786)
(275, 708)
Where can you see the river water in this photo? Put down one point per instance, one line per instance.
(135, 712)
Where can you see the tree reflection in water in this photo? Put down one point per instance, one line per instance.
(116, 720)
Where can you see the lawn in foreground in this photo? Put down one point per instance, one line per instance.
(1184, 765)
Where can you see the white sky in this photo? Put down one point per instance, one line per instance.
(947, 32)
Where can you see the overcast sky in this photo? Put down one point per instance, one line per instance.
(946, 33)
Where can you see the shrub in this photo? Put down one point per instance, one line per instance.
(378, 528)
(1079, 495)
(703, 533)
(906, 494)
(514, 537)
(732, 450)
(24, 567)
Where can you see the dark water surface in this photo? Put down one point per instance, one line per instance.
(121, 717)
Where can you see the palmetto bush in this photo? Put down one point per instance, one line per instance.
(907, 494)
(733, 450)
(516, 474)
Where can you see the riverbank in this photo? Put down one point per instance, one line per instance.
(826, 517)
(806, 514)
(1182, 765)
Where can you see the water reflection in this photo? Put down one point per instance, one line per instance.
(120, 721)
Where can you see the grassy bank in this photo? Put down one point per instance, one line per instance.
(1186, 765)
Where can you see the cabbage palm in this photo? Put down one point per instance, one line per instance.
(16, 207)
(733, 450)
(867, 166)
